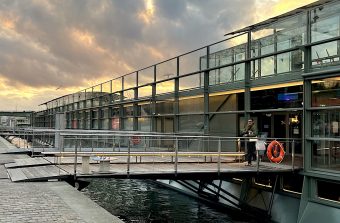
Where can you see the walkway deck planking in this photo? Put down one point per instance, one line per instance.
(27, 162)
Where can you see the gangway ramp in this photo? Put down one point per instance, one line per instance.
(34, 169)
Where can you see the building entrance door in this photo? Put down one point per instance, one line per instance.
(283, 126)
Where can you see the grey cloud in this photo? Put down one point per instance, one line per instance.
(116, 28)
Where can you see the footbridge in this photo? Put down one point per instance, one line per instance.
(195, 163)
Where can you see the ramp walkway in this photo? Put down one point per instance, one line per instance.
(42, 201)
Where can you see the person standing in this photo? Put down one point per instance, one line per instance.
(250, 131)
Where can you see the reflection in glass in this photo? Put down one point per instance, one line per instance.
(128, 123)
(144, 124)
(189, 82)
(326, 154)
(326, 54)
(326, 92)
(227, 102)
(191, 105)
(145, 91)
(191, 123)
(326, 123)
(130, 80)
(166, 70)
(325, 22)
(146, 76)
(272, 98)
(165, 87)
(165, 107)
(191, 62)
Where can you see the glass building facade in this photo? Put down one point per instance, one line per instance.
(284, 73)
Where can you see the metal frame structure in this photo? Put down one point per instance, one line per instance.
(279, 53)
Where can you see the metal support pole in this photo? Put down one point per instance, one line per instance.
(176, 156)
(293, 154)
(75, 159)
(257, 161)
(128, 158)
(272, 197)
(219, 157)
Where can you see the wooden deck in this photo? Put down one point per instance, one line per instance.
(48, 168)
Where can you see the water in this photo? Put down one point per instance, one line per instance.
(147, 201)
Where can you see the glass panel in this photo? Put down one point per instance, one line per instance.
(146, 76)
(325, 55)
(128, 111)
(117, 84)
(223, 53)
(191, 105)
(267, 66)
(115, 97)
(114, 112)
(326, 92)
(226, 102)
(164, 124)
(220, 76)
(166, 70)
(271, 98)
(326, 123)
(165, 107)
(191, 123)
(189, 82)
(129, 94)
(104, 124)
(239, 72)
(325, 22)
(329, 190)
(82, 95)
(285, 33)
(144, 109)
(292, 184)
(115, 123)
(326, 154)
(165, 87)
(144, 124)
(95, 102)
(128, 123)
(130, 81)
(191, 62)
(88, 94)
(225, 125)
(145, 91)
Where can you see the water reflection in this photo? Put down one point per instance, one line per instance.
(146, 201)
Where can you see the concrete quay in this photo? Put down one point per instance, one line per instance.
(44, 201)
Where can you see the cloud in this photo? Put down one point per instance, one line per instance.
(45, 45)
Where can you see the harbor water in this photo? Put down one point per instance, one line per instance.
(147, 201)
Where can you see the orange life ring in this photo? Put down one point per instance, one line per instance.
(275, 152)
(135, 140)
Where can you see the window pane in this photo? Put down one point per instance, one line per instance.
(191, 105)
(286, 97)
(165, 87)
(326, 92)
(328, 190)
(326, 123)
(191, 123)
(326, 154)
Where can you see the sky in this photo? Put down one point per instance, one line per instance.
(49, 48)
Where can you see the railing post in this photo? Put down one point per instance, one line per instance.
(219, 157)
(176, 156)
(293, 154)
(128, 158)
(32, 143)
(75, 159)
(257, 161)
